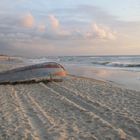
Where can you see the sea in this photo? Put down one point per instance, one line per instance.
(121, 70)
(129, 63)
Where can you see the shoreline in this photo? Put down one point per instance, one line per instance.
(106, 81)
(117, 77)
(121, 78)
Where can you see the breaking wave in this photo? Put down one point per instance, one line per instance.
(116, 64)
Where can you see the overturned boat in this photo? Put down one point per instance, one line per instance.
(49, 71)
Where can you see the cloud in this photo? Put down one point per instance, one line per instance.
(82, 14)
(41, 27)
(54, 22)
(101, 32)
(6, 47)
(57, 31)
(81, 25)
(28, 20)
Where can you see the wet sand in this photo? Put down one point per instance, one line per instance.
(121, 77)
(75, 109)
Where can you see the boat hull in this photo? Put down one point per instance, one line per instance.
(33, 73)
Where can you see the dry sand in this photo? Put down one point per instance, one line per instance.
(75, 109)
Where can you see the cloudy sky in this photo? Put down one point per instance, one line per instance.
(69, 27)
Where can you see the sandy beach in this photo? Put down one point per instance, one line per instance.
(76, 109)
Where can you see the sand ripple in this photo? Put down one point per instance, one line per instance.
(75, 109)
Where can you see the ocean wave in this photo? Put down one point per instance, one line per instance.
(116, 64)
(39, 60)
(101, 63)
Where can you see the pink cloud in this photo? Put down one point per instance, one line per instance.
(54, 22)
(28, 20)
(41, 27)
(103, 32)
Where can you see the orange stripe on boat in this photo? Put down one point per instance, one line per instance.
(60, 73)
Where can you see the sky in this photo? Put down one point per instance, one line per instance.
(35, 28)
